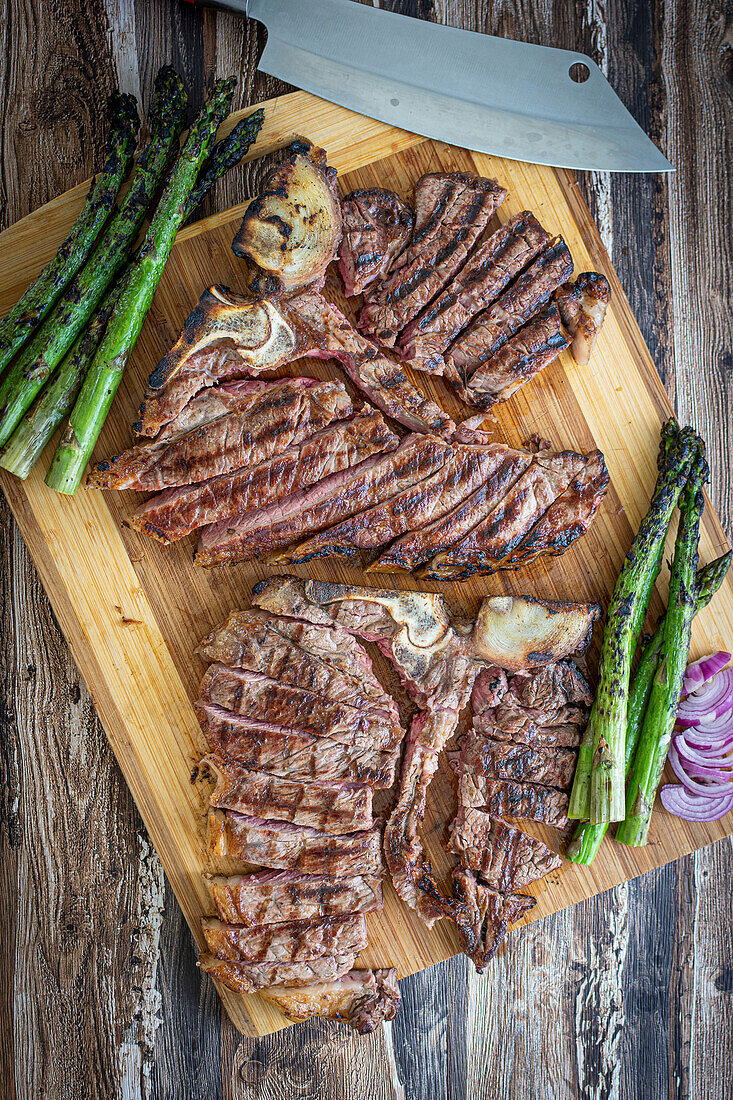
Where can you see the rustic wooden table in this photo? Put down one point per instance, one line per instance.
(626, 996)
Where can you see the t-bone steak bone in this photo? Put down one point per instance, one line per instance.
(376, 227)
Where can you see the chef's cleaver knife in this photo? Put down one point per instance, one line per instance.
(483, 93)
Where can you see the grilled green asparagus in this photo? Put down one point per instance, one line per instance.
(28, 312)
(105, 373)
(225, 154)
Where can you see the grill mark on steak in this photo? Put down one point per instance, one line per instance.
(175, 513)
(282, 845)
(271, 897)
(505, 798)
(292, 755)
(494, 759)
(524, 355)
(451, 211)
(332, 807)
(483, 916)
(565, 736)
(486, 273)
(250, 977)
(376, 227)
(504, 857)
(492, 328)
(291, 941)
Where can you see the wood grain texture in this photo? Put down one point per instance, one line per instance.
(675, 73)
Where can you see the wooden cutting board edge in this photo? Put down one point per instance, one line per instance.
(129, 638)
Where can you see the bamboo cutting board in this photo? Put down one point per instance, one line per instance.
(133, 611)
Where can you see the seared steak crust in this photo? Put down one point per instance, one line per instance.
(291, 941)
(583, 306)
(483, 916)
(524, 355)
(493, 759)
(248, 977)
(504, 857)
(270, 897)
(485, 274)
(451, 210)
(362, 998)
(505, 798)
(376, 227)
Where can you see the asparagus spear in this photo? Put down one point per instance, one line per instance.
(105, 373)
(587, 838)
(40, 423)
(598, 787)
(43, 418)
(661, 711)
(39, 359)
(27, 313)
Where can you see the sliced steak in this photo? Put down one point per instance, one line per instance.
(485, 274)
(271, 897)
(248, 977)
(523, 299)
(483, 916)
(332, 807)
(266, 747)
(583, 306)
(523, 356)
(322, 505)
(493, 759)
(497, 535)
(565, 736)
(289, 847)
(464, 469)
(504, 857)
(227, 397)
(451, 211)
(418, 546)
(547, 688)
(504, 798)
(363, 999)
(175, 513)
(376, 227)
(292, 941)
(322, 659)
(252, 695)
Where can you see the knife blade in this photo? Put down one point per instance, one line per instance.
(492, 95)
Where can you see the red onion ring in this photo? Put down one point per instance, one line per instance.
(699, 672)
(693, 807)
(705, 758)
(712, 700)
(709, 789)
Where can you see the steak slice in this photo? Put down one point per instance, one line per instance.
(271, 421)
(485, 274)
(523, 356)
(362, 998)
(376, 227)
(332, 807)
(523, 299)
(504, 857)
(565, 736)
(483, 916)
(451, 211)
(497, 535)
(265, 747)
(252, 695)
(491, 759)
(272, 897)
(545, 690)
(583, 306)
(418, 546)
(175, 513)
(463, 469)
(248, 977)
(322, 505)
(292, 941)
(289, 847)
(215, 401)
(504, 798)
(322, 659)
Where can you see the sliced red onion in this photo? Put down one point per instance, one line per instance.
(709, 789)
(694, 807)
(705, 758)
(713, 731)
(699, 672)
(712, 700)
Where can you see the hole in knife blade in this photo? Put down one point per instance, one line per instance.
(579, 72)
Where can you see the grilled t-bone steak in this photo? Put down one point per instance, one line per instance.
(245, 423)
(291, 941)
(524, 355)
(485, 274)
(483, 916)
(245, 977)
(583, 306)
(376, 227)
(228, 336)
(362, 998)
(451, 211)
(174, 513)
(493, 759)
(280, 845)
(517, 305)
(270, 897)
(504, 857)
